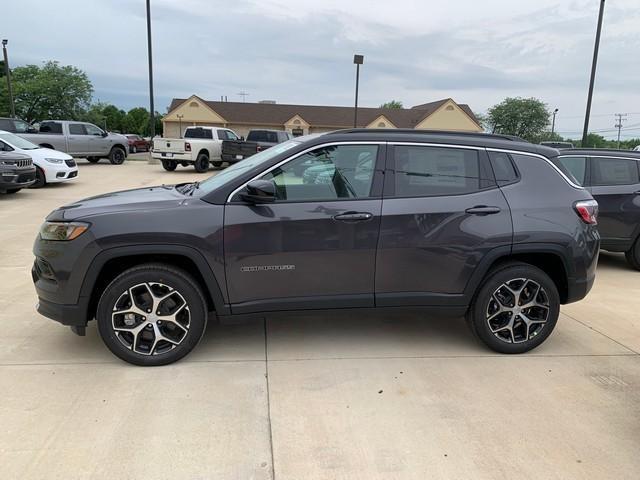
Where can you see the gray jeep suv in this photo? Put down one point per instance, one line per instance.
(473, 225)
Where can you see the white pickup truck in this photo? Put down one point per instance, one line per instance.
(200, 147)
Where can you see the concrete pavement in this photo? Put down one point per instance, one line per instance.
(372, 396)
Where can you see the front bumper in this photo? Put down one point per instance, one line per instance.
(55, 173)
(17, 178)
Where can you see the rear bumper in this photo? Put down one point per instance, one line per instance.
(176, 157)
(229, 158)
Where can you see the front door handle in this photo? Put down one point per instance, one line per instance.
(483, 210)
(353, 216)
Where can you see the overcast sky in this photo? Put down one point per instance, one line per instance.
(416, 51)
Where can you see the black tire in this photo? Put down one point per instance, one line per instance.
(41, 180)
(202, 163)
(485, 309)
(134, 149)
(633, 255)
(183, 291)
(169, 165)
(117, 156)
(93, 159)
(12, 190)
(216, 164)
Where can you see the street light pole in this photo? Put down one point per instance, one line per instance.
(553, 123)
(152, 111)
(7, 72)
(594, 63)
(358, 60)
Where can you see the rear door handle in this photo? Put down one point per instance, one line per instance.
(483, 210)
(353, 216)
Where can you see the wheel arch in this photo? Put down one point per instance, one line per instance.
(110, 263)
(205, 151)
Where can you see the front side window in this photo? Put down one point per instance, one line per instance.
(327, 173)
(231, 135)
(614, 171)
(77, 129)
(428, 171)
(575, 167)
(21, 126)
(92, 130)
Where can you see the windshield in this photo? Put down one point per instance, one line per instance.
(240, 168)
(18, 142)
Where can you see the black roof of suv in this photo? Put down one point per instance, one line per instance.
(471, 225)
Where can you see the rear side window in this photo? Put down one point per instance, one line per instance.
(428, 171)
(503, 168)
(50, 127)
(7, 125)
(262, 136)
(614, 171)
(573, 167)
(76, 129)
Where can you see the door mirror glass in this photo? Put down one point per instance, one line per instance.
(104, 134)
(260, 191)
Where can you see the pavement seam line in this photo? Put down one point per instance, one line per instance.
(601, 333)
(266, 376)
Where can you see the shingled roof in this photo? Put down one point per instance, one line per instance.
(320, 116)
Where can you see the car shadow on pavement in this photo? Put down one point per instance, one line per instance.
(614, 260)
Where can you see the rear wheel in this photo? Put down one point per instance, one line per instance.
(152, 315)
(202, 163)
(633, 255)
(169, 165)
(516, 308)
(93, 159)
(41, 180)
(117, 156)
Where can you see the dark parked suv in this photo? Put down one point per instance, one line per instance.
(16, 172)
(460, 224)
(613, 178)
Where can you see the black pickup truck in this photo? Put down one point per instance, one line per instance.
(257, 140)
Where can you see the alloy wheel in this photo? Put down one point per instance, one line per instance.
(518, 310)
(151, 318)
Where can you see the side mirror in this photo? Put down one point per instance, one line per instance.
(32, 129)
(104, 134)
(242, 139)
(260, 191)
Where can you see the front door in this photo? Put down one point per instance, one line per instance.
(442, 214)
(96, 143)
(315, 246)
(615, 184)
(77, 140)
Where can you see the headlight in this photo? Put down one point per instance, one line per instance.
(62, 231)
(54, 160)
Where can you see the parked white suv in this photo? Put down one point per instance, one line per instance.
(52, 166)
(200, 147)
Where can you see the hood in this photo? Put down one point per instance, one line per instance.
(149, 198)
(42, 153)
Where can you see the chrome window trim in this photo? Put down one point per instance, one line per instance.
(443, 145)
(299, 154)
(529, 154)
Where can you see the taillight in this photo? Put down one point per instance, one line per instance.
(187, 147)
(588, 211)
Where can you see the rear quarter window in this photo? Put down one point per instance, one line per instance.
(503, 168)
(573, 167)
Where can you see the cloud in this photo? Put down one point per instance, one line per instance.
(415, 51)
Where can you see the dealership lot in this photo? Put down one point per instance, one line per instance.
(313, 396)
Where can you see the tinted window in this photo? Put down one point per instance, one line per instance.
(223, 135)
(76, 129)
(424, 171)
(6, 125)
(50, 127)
(198, 133)
(503, 168)
(614, 171)
(328, 173)
(575, 167)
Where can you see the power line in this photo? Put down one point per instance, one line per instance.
(621, 117)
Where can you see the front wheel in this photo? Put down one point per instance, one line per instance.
(516, 308)
(169, 165)
(117, 156)
(202, 163)
(633, 255)
(152, 315)
(41, 180)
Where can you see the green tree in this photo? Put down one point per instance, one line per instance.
(48, 91)
(392, 104)
(524, 117)
(137, 121)
(105, 116)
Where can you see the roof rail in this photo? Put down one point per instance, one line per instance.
(604, 150)
(405, 131)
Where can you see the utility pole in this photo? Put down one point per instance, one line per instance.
(594, 63)
(620, 117)
(244, 95)
(7, 72)
(152, 111)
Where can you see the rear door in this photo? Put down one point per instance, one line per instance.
(315, 247)
(442, 214)
(615, 184)
(77, 139)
